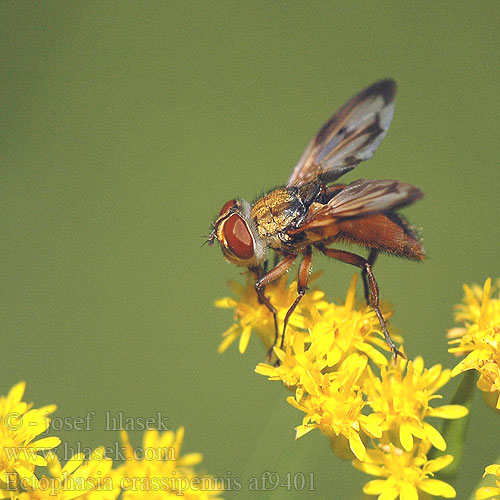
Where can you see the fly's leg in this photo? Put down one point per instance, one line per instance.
(260, 285)
(265, 301)
(260, 272)
(276, 259)
(264, 269)
(365, 266)
(372, 257)
(302, 280)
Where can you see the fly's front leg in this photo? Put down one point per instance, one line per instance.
(372, 257)
(259, 272)
(265, 301)
(302, 280)
(260, 285)
(365, 266)
(276, 260)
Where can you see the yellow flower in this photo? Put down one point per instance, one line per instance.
(479, 338)
(336, 331)
(20, 424)
(250, 316)
(334, 404)
(489, 491)
(158, 472)
(340, 393)
(297, 365)
(333, 332)
(405, 473)
(334, 361)
(83, 479)
(402, 401)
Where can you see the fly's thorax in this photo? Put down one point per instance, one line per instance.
(276, 212)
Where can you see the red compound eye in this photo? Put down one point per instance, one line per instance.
(230, 204)
(238, 239)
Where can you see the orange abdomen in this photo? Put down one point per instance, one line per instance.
(386, 232)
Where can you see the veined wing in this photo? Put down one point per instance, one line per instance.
(349, 137)
(362, 198)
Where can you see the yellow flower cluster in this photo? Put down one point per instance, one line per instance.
(162, 473)
(79, 478)
(479, 339)
(489, 491)
(251, 317)
(20, 425)
(373, 411)
(156, 471)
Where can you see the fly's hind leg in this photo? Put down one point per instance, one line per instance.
(372, 257)
(366, 267)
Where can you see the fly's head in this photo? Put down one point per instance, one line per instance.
(237, 234)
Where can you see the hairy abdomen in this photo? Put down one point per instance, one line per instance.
(386, 232)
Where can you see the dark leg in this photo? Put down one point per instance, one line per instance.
(260, 285)
(372, 257)
(303, 278)
(365, 266)
(276, 259)
(264, 267)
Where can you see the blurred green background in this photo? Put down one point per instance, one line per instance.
(127, 125)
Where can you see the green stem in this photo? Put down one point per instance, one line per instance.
(454, 431)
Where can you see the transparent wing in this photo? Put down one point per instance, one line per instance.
(349, 137)
(362, 198)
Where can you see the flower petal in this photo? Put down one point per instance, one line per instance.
(16, 394)
(374, 487)
(439, 463)
(356, 445)
(448, 411)
(492, 469)
(435, 437)
(389, 493)
(266, 370)
(45, 443)
(408, 492)
(406, 436)
(302, 430)
(438, 488)
(190, 459)
(245, 338)
(486, 492)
